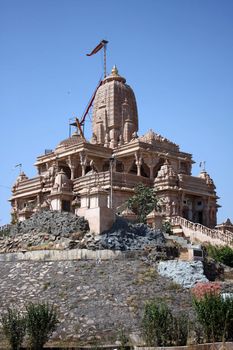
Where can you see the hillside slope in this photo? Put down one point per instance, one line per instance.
(94, 299)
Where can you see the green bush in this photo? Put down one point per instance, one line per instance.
(167, 227)
(123, 339)
(14, 325)
(143, 201)
(221, 254)
(161, 327)
(42, 320)
(215, 314)
(180, 329)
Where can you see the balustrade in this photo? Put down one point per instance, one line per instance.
(226, 236)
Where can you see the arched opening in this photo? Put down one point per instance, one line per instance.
(77, 172)
(145, 170)
(133, 169)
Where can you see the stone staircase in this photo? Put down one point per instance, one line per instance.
(197, 233)
(177, 230)
(182, 241)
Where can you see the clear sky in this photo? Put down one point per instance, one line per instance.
(177, 55)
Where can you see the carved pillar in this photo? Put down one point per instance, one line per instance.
(181, 203)
(83, 162)
(151, 163)
(206, 212)
(70, 163)
(138, 162)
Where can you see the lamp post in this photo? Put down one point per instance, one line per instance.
(111, 162)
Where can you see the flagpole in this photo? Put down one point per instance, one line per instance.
(105, 61)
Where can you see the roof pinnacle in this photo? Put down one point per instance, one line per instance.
(114, 70)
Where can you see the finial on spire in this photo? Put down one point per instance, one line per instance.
(114, 70)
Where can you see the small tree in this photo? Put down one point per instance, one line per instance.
(162, 328)
(221, 254)
(143, 201)
(42, 320)
(214, 313)
(157, 324)
(14, 325)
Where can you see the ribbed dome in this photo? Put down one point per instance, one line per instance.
(73, 140)
(115, 114)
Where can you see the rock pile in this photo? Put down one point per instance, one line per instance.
(185, 273)
(124, 236)
(51, 222)
(55, 230)
(46, 229)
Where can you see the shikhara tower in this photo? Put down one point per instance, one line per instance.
(80, 175)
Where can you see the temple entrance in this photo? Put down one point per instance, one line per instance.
(185, 213)
(200, 217)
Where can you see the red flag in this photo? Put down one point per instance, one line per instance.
(98, 47)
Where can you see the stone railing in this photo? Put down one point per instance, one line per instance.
(226, 237)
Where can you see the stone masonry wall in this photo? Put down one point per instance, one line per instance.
(94, 300)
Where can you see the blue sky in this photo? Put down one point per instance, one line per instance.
(177, 55)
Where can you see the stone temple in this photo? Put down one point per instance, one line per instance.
(94, 178)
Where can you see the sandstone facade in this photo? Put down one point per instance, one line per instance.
(93, 178)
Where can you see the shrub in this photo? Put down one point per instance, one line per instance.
(221, 254)
(143, 201)
(162, 328)
(167, 227)
(214, 313)
(13, 325)
(180, 329)
(41, 322)
(123, 339)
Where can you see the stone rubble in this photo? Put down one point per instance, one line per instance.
(55, 230)
(124, 236)
(185, 273)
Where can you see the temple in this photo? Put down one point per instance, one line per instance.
(94, 178)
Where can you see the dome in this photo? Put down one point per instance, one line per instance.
(114, 111)
(205, 176)
(73, 140)
(22, 176)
